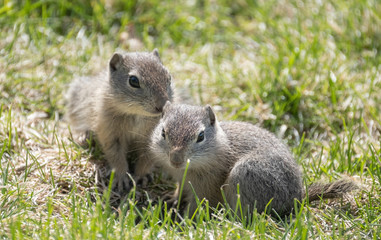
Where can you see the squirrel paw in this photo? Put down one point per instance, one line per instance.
(143, 181)
(121, 183)
(86, 139)
(171, 200)
(175, 207)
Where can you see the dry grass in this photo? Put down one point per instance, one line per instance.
(308, 71)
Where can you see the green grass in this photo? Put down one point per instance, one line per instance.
(309, 71)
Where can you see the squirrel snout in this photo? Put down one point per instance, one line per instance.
(176, 158)
(160, 102)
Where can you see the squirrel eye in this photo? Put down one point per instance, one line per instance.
(134, 81)
(163, 133)
(200, 137)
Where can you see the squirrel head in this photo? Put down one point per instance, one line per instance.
(186, 133)
(139, 83)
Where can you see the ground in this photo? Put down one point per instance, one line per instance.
(308, 71)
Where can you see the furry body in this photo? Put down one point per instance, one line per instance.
(121, 108)
(224, 155)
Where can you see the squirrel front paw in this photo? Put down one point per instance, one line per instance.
(122, 182)
(143, 181)
(171, 200)
(173, 205)
(86, 139)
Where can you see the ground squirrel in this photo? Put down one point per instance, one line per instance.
(224, 154)
(121, 107)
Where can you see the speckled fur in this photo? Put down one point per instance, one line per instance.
(231, 154)
(122, 117)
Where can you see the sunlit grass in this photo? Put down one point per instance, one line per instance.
(309, 71)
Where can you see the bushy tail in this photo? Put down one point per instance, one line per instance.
(334, 189)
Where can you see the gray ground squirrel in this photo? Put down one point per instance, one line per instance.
(224, 154)
(122, 107)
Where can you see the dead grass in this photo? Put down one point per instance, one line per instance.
(308, 71)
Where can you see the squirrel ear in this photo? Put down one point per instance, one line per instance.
(155, 52)
(116, 61)
(211, 114)
(167, 105)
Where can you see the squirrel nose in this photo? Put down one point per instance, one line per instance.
(176, 156)
(177, 159)
(160, 102)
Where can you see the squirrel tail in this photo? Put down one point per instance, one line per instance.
(334, 189)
